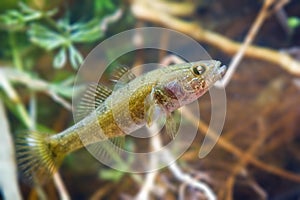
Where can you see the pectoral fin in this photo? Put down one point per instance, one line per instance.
(171, 125)
(152, 110)
(150, 114)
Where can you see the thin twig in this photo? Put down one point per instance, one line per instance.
(242, 163)
(186, 178)
(177, 172)
(17, 58)
(248, 40)
(194, 30)
(149, 183)
(283, 21)
(35, 84)
(225, 144)
(172, 8)
(8, 178)
(63, 193)
(14, 97)
(33, 109)
(29, 120)
(110, 19)
(278, 6)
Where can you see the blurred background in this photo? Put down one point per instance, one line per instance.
(257, 156)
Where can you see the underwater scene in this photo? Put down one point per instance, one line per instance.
(150, 99)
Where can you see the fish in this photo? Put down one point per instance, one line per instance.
(108, 114)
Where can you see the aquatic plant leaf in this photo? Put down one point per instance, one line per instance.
(111, 175)
(293, 22)
(45, 38)
(12, 20)
(29, 10)
(16, 19)
(86, 32)
(75, 57)
(103, 6)
(60, 58)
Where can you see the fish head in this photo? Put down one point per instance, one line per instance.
(188, 81)
(203, 75)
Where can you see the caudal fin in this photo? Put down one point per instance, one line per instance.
(36, 158)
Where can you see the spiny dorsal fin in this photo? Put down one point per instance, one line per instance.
(122, 75)
(93, 97)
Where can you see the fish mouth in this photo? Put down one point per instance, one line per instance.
(222, 70)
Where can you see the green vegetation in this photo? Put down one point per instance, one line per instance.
(294, 22)
(29, 26)
(35, 33)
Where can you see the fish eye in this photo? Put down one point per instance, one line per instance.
(198, 69)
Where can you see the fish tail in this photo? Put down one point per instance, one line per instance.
(37, 158)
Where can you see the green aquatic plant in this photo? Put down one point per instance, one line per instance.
(29, 33)
(294, 22)
(27, 26)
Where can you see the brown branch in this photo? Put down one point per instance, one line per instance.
(242, 163)
(61, 188)
(169, 7)
(261, 17)
(225, 44)
(225, 144)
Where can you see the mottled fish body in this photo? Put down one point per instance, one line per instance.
(134, 102)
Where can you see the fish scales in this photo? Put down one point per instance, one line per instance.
(128, 108)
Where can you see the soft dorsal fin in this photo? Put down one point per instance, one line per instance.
(93, 97)
(122, 75)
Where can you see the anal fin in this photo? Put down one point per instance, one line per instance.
(109, 149)
(118, 141)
